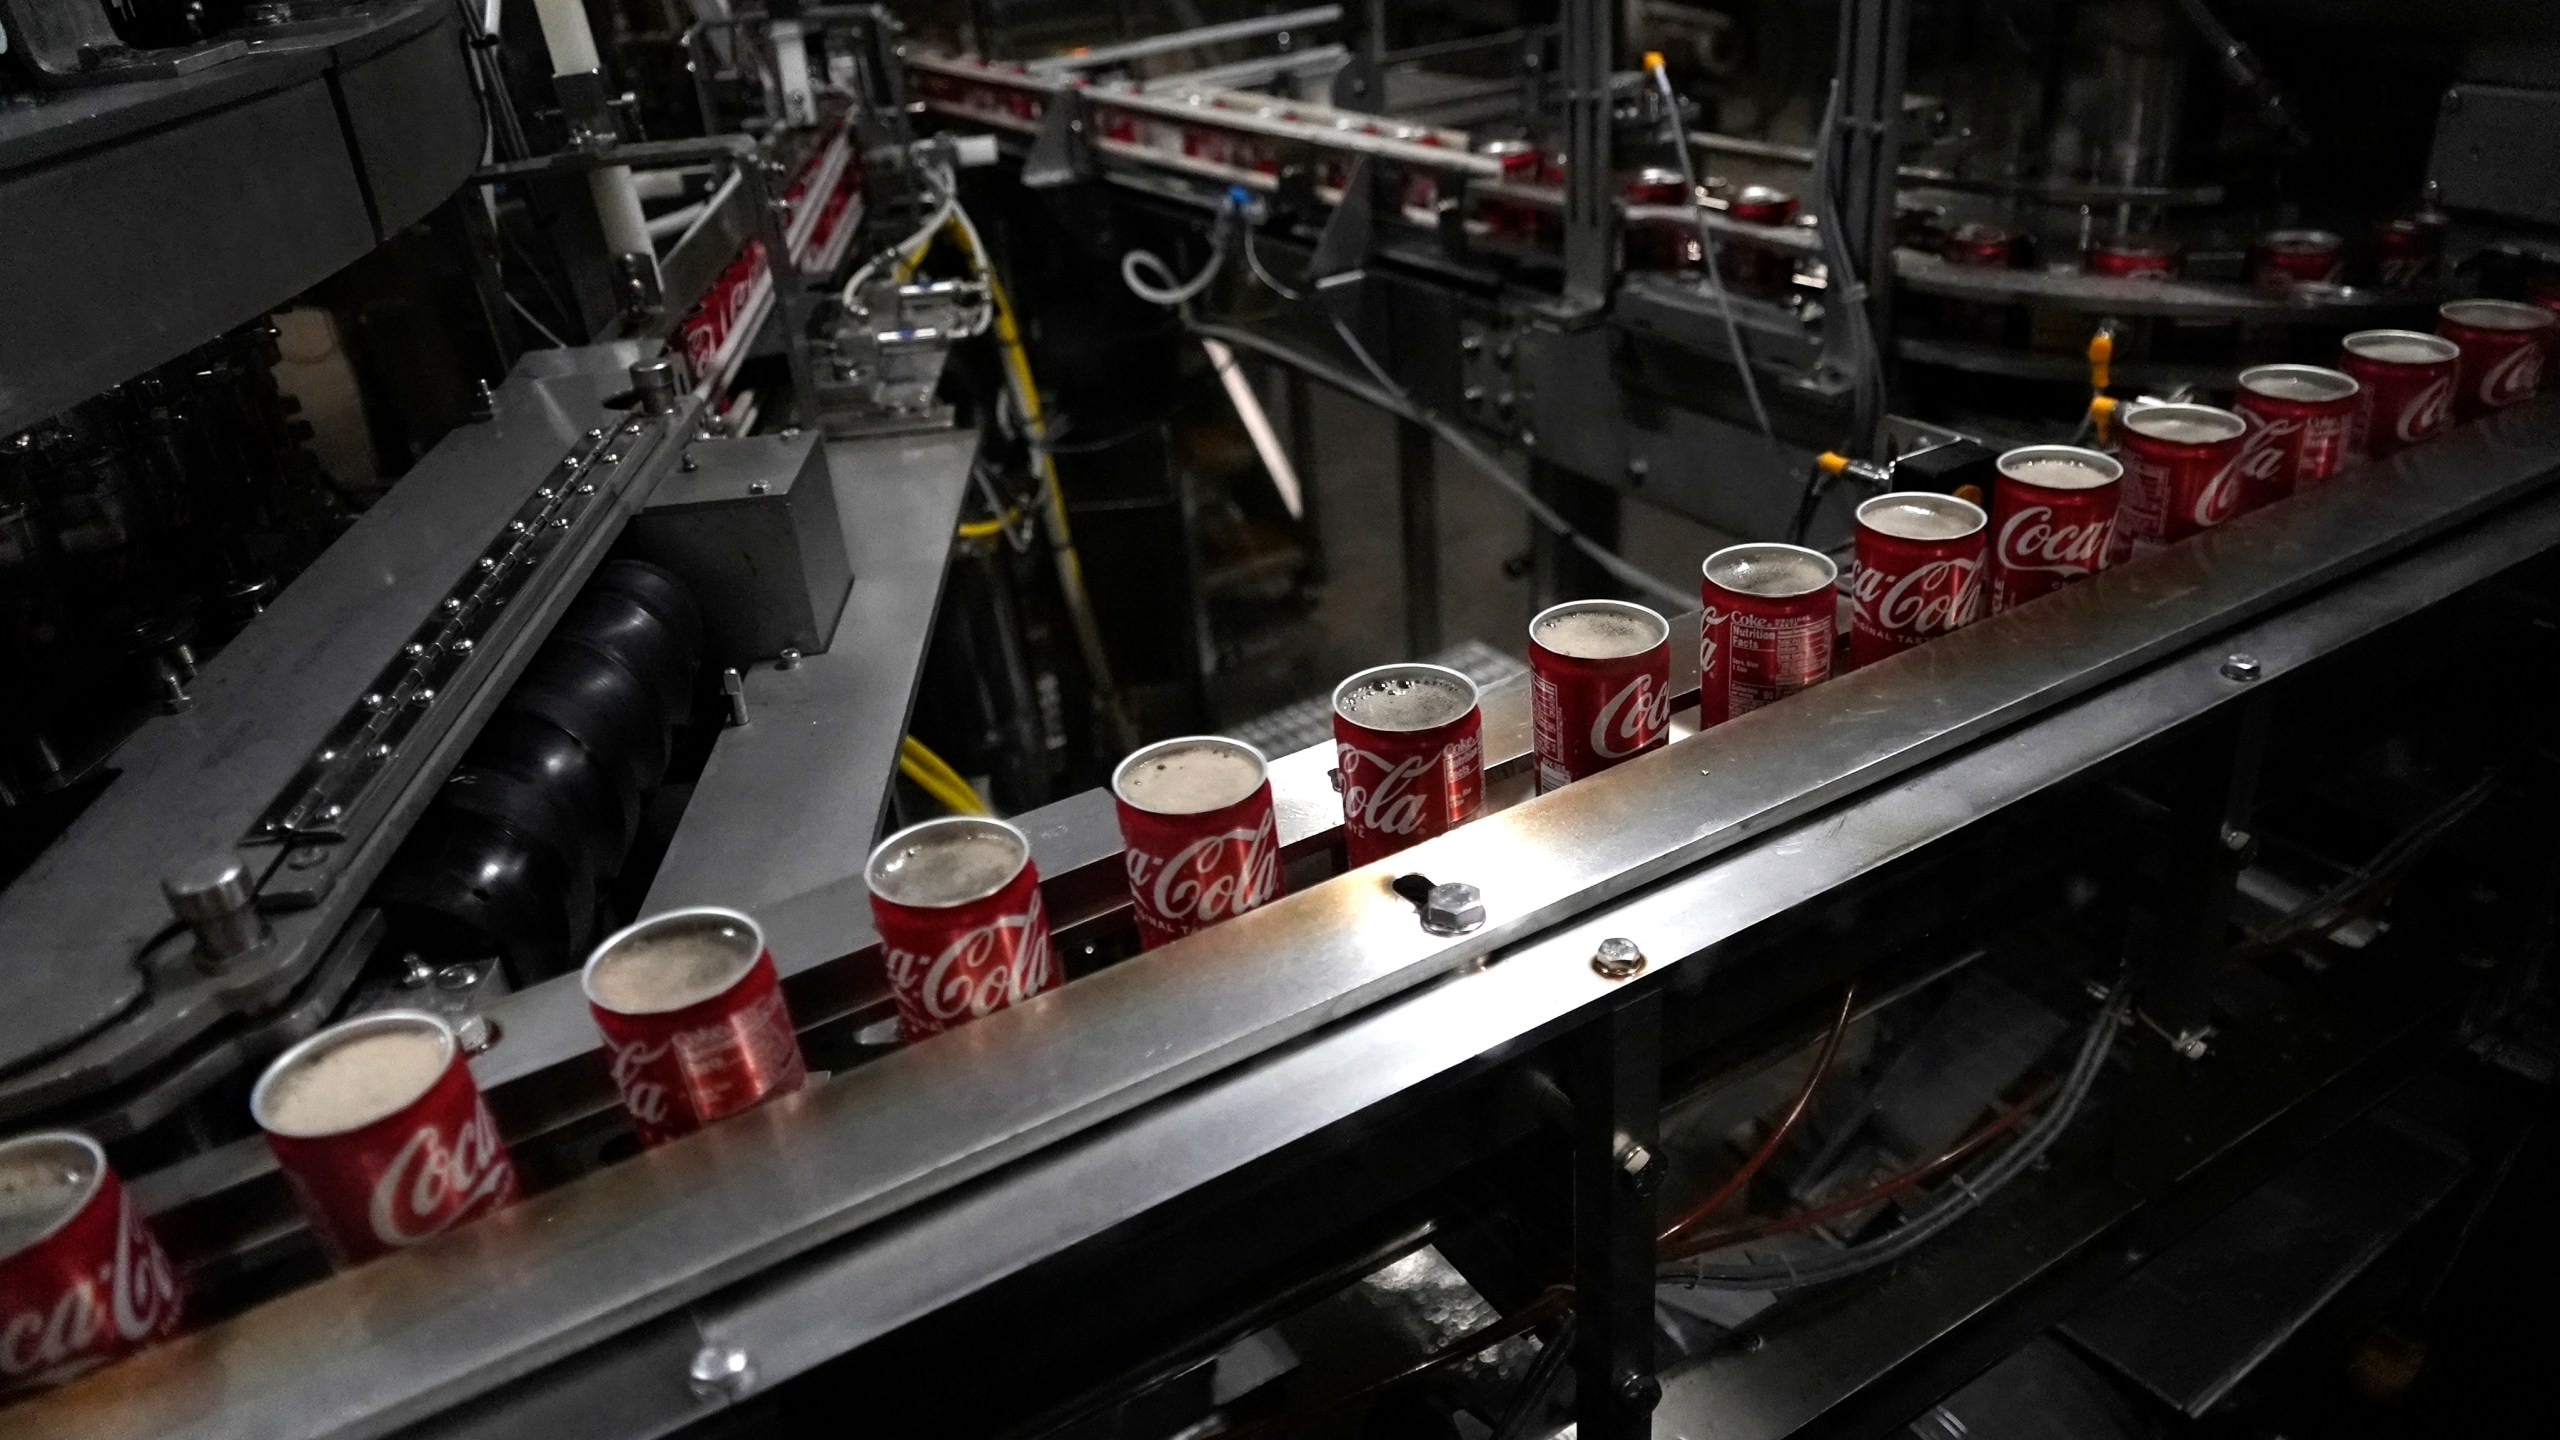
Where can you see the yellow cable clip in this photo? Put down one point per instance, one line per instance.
(2102, 410)
(2102, 354)
(1832, 461)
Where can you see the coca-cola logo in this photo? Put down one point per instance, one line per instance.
(1196, 885)
(434, 1184)
(982, 970)
(2218, 497)
(1939, 595)
(2516, 375)
(1631, 718)
(2269, 445)
(633, 1065)
(95, 1318)
(2426, 412)
(1709, 620)
(2030, 540)
(1391, 804)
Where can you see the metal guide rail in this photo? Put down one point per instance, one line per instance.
(710, 1220)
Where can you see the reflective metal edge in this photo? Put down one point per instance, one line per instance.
(398, 1340)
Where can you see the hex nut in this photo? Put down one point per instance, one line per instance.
(2242, 668)
(1454, 908)
(1617, 958)
(720, 1372)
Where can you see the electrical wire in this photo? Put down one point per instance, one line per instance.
(1790, 1272)
(527, 316)
(1707, 247)
(1163, 287)
(936, 778)
(1778, 1133)
(1956, 1154)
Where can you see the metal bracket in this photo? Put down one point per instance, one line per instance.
(1061, 154)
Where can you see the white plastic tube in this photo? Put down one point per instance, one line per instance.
(572, 43)
(566, 35)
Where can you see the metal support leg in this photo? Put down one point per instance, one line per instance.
(1298, 395)
(1617, 1166)
(1418, 493)
(791, 301)
(1587, 41)
(1565, 573)
(2175, 932)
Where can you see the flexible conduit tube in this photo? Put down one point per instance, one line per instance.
(573, 52)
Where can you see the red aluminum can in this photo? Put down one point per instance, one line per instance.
(1981, 247)
(1749, 265)
(381, 1134)
(2132, 257)
(2286, 258)
(2053, 508)
(1599, 687)
(1409, 744)
(1767, 618)
(2405, 251)
(2300, 419)
(83, 1281)
(2406, 393)
(2503, 345)
(1203, 842)
(962, 930)
(1918, 573)
(693, 1018)
(2181, 473)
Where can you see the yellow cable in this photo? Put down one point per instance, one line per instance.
(923, 755)
(2102, 354)
(936, 778)
(2102, 410)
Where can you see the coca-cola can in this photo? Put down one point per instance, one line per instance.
(962, 931)
(381, 1134)
(2503, 344)
(1768, 618)
(1408, 745)
(2132, 257)
(693, 1019)
(2053, 508)
(2181, 473)
(2405, 394)
(2300, 420)
(83, 1281)
(1599, 687)
(2286, 258)
(2405, 251)
(1201, 839)
(1918, 571)
(1753, 266)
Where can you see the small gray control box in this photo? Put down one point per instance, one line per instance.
(751, 524)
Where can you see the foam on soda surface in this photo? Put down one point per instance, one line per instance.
(1405, 702)
(947, 865)
(683, 961)
(2183, 429)
(2401, 349)
(1191, 779)
(1598, 634)
(40, 1185)
(354, 1081)
(2297, 385)
(1770, 570)
(2055, 472)
(1917, 518)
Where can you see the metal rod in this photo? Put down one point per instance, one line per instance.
(1233, 30)
(1418, 507)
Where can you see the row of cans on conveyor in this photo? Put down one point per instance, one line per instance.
(380, 1129)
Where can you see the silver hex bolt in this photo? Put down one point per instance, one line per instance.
(1453, 908)
(1618, 958)
(721, 1372)
(2242, 668)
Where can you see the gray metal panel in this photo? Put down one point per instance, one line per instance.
(248, 205)
(2498, 149)
(371, 1350)
(414, 123)
(2194, 1322)
(791, 801)
(754, 527)
(193, 784)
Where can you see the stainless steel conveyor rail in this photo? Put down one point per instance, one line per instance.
(1191, 1043)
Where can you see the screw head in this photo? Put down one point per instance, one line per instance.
(475, 1033)
(789, 659)
(720, 1372)
(1454, 908)
(2241, 668)
(1640, 1168)
(1617, 958)
(757, 487)
(1639, 1390)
